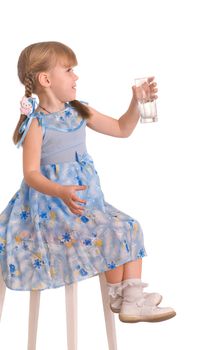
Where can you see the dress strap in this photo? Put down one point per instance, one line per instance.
(47, 121)
(26, 125)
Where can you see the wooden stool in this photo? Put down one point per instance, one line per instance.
(71, 314)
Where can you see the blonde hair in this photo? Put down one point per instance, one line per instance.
(40, 57)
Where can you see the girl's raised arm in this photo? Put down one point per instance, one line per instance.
(104, 124)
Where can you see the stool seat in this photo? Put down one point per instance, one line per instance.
(71, 314)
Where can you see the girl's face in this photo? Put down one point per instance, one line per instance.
(63, 82)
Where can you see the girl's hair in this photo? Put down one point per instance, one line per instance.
(40, 57)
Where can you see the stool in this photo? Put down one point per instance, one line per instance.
(71, 314)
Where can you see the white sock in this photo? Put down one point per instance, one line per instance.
(114, 288)
(134, 281)
(137, 280)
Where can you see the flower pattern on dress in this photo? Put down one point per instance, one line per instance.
(44, 245)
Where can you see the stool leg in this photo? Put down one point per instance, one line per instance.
(109, 315)
(71, 315)
(2, 292)
(33, 319)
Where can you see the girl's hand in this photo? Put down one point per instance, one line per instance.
(146, 91)
(69, 197)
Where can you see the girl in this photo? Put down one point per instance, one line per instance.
(57, 228)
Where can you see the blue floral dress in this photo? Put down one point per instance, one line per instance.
(42, 243)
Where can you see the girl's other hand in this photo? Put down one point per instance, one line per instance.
(145, 92)
(69, 197)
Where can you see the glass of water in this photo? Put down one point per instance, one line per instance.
(147, 105)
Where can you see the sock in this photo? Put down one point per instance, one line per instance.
(114, 289)
(134, 281)
(137, 280)
(133, 289)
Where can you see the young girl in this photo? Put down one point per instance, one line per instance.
(58, 229)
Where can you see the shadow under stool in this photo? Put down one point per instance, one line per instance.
(71, 314)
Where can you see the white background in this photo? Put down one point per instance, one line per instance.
(162, 174)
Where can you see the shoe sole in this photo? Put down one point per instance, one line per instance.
(154, 318)
(114, 310)
(118, 310)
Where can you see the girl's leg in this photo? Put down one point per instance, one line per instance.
(132, 269)
(115, 275)
(118, 278)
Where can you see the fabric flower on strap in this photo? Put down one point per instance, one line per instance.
(28, 106)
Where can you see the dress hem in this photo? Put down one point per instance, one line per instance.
(84, 278)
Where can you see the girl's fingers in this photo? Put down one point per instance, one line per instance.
(153, 90)
(77, 199)
(75, 206)
(80, 188)
(76, 211)
(150, 79)
(74, 197)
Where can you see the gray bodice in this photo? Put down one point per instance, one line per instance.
(64, 134)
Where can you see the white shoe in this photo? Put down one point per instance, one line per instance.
(116, 290)
(135, 308)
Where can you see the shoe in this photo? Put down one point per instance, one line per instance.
(135, 308)
(116, 298)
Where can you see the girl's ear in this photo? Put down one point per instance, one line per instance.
(43, 79)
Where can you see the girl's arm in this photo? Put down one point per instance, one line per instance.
(31, 162)
(127, 122)
(42, 184)
(104, 124)
(113, 127)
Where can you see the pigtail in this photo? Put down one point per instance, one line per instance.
(29, 86)
(81, 109)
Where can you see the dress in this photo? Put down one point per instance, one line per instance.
(42, 243)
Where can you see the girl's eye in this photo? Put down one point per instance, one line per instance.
(70, 69)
